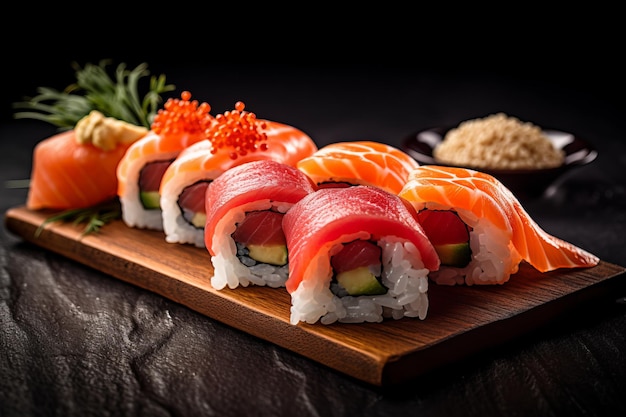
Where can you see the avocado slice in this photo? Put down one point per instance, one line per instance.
(360, 281)
(150, 199)
(454, 254)
(269, 254)
(199, 219)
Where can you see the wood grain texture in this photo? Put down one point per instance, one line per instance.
(461, 320)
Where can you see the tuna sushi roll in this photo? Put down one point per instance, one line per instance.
(356, 254)
(180, 124)
(235, 138)
(245, 207)
(344, 164)
(480, 230)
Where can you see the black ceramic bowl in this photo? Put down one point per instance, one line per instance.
(522, 182)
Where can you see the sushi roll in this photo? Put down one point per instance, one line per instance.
(480, 230)
(237, 137)
(245, 207)
(344, 164)
(356, 254)
(179, 125)
(76, 169)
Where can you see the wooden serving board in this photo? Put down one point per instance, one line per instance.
(461, 320)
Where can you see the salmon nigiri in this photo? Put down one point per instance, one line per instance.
(360, 162)
(77, 168)
(180, 124)
(480, 229)
(237, 137)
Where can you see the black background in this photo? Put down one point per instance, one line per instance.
(78, 342)
(575, 52)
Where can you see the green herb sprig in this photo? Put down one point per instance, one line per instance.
(93, 217)
(94, 89)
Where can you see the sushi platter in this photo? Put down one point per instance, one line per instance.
(461, 321)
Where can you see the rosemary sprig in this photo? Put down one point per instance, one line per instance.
(94, 89)
(94, 217)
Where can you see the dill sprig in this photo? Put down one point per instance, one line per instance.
(93, 217)
(94, 89)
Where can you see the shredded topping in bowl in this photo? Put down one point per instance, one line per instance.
(498, 142)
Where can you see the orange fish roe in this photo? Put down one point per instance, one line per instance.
(239, 130)
(182, 115)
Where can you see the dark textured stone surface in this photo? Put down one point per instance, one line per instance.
(76, 342)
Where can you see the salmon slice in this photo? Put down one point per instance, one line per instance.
(359, 162)
(69, 175)
(485, 197)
